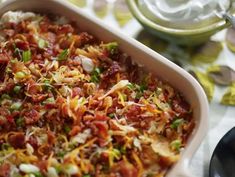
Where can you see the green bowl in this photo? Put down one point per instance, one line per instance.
(178, 36)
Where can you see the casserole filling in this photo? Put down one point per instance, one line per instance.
(72, 105)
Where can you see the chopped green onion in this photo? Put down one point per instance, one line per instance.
(20, 122)
(138, 95)
(16, 106)
(5, 96)
(71, 169)
(61, 154)
(63, 55)
(130, 86)
(87, 175)
(176, 123)
(49, 100)
(150, 174)
(111, 115)
(47, 85)
(5, 146)
(14, 60)
(42, 43)
(95, 75)
(20, 75)
(116, 153)
(26, 56)
(58, 168)
(37, 174)
(67, 129)
(17, 89)
(123, 150)
(175, 145)
(111, 47)
(159, 91)
(8, 70)
(17, 51)
(143, 87)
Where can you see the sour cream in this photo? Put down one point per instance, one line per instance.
(183, 12)
(15, 17)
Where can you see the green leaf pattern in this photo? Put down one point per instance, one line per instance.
(101, 8)
(206, 82)
(229, 96)
(207, 53)
(121, 12)
(79, 3)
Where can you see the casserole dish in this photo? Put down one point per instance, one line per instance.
(153, 62)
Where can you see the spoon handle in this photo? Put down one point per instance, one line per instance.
(230, 18)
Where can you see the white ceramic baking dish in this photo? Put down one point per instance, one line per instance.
(151, 60)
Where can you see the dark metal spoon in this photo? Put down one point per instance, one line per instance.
(222, 162)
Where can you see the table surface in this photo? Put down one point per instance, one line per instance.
(221, 118)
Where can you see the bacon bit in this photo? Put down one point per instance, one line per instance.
(5, 170)
(65, 29)
(77, 91)
(17, 140)
(22, 45)
(9, 32)
(31, 117)
(64, 110)
(88, 118)
(180, 106)
(4, 113)
(10, 119)
(100, 117)
(32, 40)
(4, 58)
(101, 129)
(44, 24)
(82, 39)
(18, 66)
(49, 53)
(45, 149)
(50, 105)
(39, 97)
(42, 165)
(65, 43)
(51, 37)
(75, 130)
(133, 113)
(33, 142)
(114, 68)
(32, 87)
(9, 85)
(50, 137)
(126, 169)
